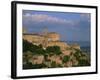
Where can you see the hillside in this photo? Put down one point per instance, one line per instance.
(35, 56)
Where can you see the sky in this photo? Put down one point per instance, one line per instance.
(72, 26)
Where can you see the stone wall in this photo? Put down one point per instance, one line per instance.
(53, 36)
(33, 38)
(51, 39)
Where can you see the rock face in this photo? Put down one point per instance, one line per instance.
(52, 53)
(37, 59)
(66, 52)
(56, 59)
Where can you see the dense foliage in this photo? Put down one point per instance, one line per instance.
(33, 66)
(30, 50)
(27, 46)
(66, 59)
(53, 49)
(39, 49)
(83, 63)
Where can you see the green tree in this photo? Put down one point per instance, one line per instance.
(27, 46)
(27, 66)
(37, 66)
(66, 59)
(33, 66)
(53, 49)
(78, 54)
(83, 62)
(41, 51)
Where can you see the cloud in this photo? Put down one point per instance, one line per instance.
(31, 20)
(46, 18)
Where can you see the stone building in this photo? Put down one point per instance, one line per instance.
(34, 38)
(48, 39)
(52, 36)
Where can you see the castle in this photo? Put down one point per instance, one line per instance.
(47, 39)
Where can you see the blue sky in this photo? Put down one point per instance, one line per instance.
(71, 26)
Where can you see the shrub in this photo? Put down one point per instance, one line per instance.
(53, 49)
(77, 54)
(27, 46)
(27, 66)
(53, 64)
(66, 59)
(37, 66)
(41, 51)
(83, 62)
(33, 66)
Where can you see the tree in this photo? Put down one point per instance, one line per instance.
(77, 54)
(27, 46)
(66, 59)
(53, 49)
(37, 66)
(27, 66)
(41, 51)
(83, 62)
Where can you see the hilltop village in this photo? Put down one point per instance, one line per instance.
(48, 51)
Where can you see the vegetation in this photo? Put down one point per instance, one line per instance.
(33, 66)
(66, 59)
(77, 54)
(39, 49)
(83, 62)
(53, 49)
(53, 64)
(26, 56)
(29, 50)
(33, 48)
